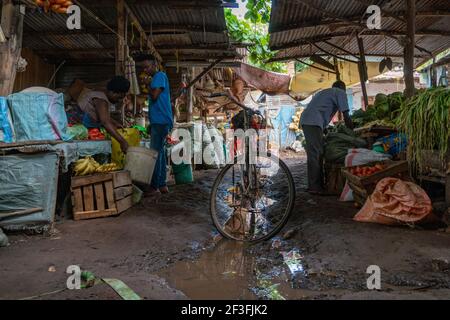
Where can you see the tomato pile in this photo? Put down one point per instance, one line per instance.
(365, 171)
(96, 134)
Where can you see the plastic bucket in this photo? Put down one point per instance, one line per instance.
(141, 163)
(182, 173)
(132, 136)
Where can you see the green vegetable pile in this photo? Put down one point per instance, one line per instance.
(339, 141)
(425, 120)
(385, 108)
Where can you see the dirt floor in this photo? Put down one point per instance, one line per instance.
(168, 249)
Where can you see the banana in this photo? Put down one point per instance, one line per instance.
(107, 167)
(81, 165)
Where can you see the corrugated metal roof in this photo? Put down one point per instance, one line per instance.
(193, 28)
(294, 25)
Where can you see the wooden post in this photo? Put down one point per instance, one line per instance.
(362, 67)
(190, 101)
(120, 53)
(336, 68)
(12, 26)
(408, 68)
(433, 73)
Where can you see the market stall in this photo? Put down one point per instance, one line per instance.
(72, 169)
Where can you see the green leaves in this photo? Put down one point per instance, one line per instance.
(254, 29)
(425, 119)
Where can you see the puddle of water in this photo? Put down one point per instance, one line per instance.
(222, 273)
(229, 272)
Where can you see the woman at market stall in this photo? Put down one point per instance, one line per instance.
(314, 120)
(95, 105)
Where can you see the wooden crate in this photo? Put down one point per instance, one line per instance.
(334, 178)
(101, 195)
(364, 186)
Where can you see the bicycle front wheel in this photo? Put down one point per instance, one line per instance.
(252, 202)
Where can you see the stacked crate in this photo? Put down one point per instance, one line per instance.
(101, 195)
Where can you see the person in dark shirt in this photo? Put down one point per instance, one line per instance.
(314, 120)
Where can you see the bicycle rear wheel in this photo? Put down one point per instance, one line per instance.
(252, 202)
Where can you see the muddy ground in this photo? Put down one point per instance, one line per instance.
(167, 249)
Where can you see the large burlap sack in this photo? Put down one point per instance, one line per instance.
(397, 202)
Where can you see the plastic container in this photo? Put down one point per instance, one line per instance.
(132, 136)
(183, 173)
(141, 163)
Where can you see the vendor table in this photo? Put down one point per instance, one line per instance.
(29, 178)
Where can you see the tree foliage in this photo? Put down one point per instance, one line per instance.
(253, 29)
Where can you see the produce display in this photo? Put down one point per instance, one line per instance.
(58, 6)
(425, 120)
(295, 125)
(365, 171)
(88, 165)
(96, 134)
(85, 166)
(383, 113)
(339, 141)
(108, 167)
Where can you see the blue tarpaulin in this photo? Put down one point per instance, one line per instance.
(281, 121)
(38, 116)
(28, 181)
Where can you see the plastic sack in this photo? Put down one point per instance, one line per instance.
(132, 136)
(338, 143)
(358, 157)
(78, 132)
(38, 116)
(394, 143)
(6, 126)
(396, 202)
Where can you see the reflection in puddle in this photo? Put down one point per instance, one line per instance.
(229, 271)
(223, 273)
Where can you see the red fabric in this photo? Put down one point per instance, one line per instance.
(271, 83)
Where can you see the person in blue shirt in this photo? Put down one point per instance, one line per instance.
(314, 120)
(161, 118)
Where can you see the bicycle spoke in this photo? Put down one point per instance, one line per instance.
(252, 201)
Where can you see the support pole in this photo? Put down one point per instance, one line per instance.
(336, 69)
(120, 53)
(190, 100)
(408, 68)
(362, 68)
(12, 26)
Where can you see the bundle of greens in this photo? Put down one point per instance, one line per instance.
(425, 120)
(338, 141)
(385, 109)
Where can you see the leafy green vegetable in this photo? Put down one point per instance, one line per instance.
(425, 118)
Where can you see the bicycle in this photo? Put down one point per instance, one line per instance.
(251, 201)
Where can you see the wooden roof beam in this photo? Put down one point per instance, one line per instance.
(155, 29)
(301, 56)
(310, 4)
(182, 4)
(142, 32)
